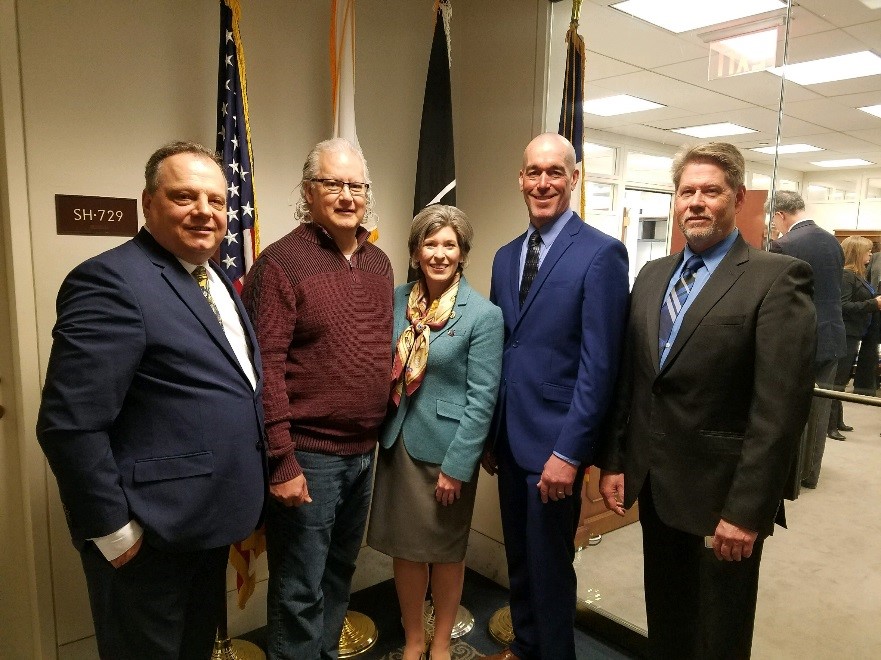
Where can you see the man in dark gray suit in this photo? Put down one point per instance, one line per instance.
(803, 239)
(713, 392)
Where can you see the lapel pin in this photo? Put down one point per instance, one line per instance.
(452, 333)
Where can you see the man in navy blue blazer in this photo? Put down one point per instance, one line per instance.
(151, 418)
(563, 295)
(803, 239)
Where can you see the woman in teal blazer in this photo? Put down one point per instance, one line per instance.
(448, 356)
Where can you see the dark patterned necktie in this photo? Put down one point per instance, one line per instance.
(530, 267)
(676, 299)
(200, 273)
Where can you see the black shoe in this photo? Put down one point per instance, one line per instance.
(807, 484)
(835, 435)
(845, 427)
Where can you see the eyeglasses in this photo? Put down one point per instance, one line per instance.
(335, 187)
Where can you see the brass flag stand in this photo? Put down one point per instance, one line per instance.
(358, 634)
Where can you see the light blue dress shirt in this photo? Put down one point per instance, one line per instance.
(712, 258)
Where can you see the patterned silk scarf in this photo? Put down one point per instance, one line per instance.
(411, 354)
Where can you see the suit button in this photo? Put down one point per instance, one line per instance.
(657, 389)
(515, 344)
(259, 445)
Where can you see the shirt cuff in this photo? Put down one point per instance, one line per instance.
(113, 545)
(570, 461)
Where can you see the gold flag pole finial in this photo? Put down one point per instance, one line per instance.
(576, 11)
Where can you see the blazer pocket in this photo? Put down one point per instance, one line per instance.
(721, 442)
(450, 410)
(719, 319)
(560, 393)
(174, 467)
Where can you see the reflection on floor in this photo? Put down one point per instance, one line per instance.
(820, 585)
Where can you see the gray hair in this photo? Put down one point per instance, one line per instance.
(785, 201)
(432, 219)
(723, 154)
(310, 171)
(154, 163)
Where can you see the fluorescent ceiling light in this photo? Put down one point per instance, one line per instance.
(713, 130)
(686, 15)
(756, 45)
(872, 109)
(788, 149)
(619, 105)
(843, 162)
(829, 69)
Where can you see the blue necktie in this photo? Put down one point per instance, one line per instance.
(676, 299)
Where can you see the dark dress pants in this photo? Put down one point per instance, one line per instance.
(865, 375)
(540, 548)
(698, 607)
(818, 422)
(842, 376)
(159, 605)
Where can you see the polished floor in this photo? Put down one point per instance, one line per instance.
(820, 585)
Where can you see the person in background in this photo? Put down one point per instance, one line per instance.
(860, 303)
(803, 239)
(321, 302)
(151, 418)
(445, 378)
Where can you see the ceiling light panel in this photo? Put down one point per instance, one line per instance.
(829, 69)
(621, 104)
(843, 162)
(788, 149)
(872, 109)
(713, 130)
(685, 15)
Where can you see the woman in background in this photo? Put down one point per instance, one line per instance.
(448, 356)
(859, 305)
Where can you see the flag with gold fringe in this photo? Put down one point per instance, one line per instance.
(241, 244)
(342, 76)
(572, 110)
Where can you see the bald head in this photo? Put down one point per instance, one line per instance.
(552, 141)
(548, 177)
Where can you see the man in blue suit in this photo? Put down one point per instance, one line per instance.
(151, 418)
(562, 287)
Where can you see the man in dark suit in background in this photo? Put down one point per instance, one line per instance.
(151, 418)
(562, 287)
(803, 239)
(713, 394)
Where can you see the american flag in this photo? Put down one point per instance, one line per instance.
(241, 244)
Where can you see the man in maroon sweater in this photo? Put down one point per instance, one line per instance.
(320, 299)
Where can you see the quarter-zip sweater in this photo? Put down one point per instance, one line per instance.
(324, 326)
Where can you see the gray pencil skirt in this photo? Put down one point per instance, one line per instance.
(406, 521)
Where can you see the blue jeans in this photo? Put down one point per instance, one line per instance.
(312, 551)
